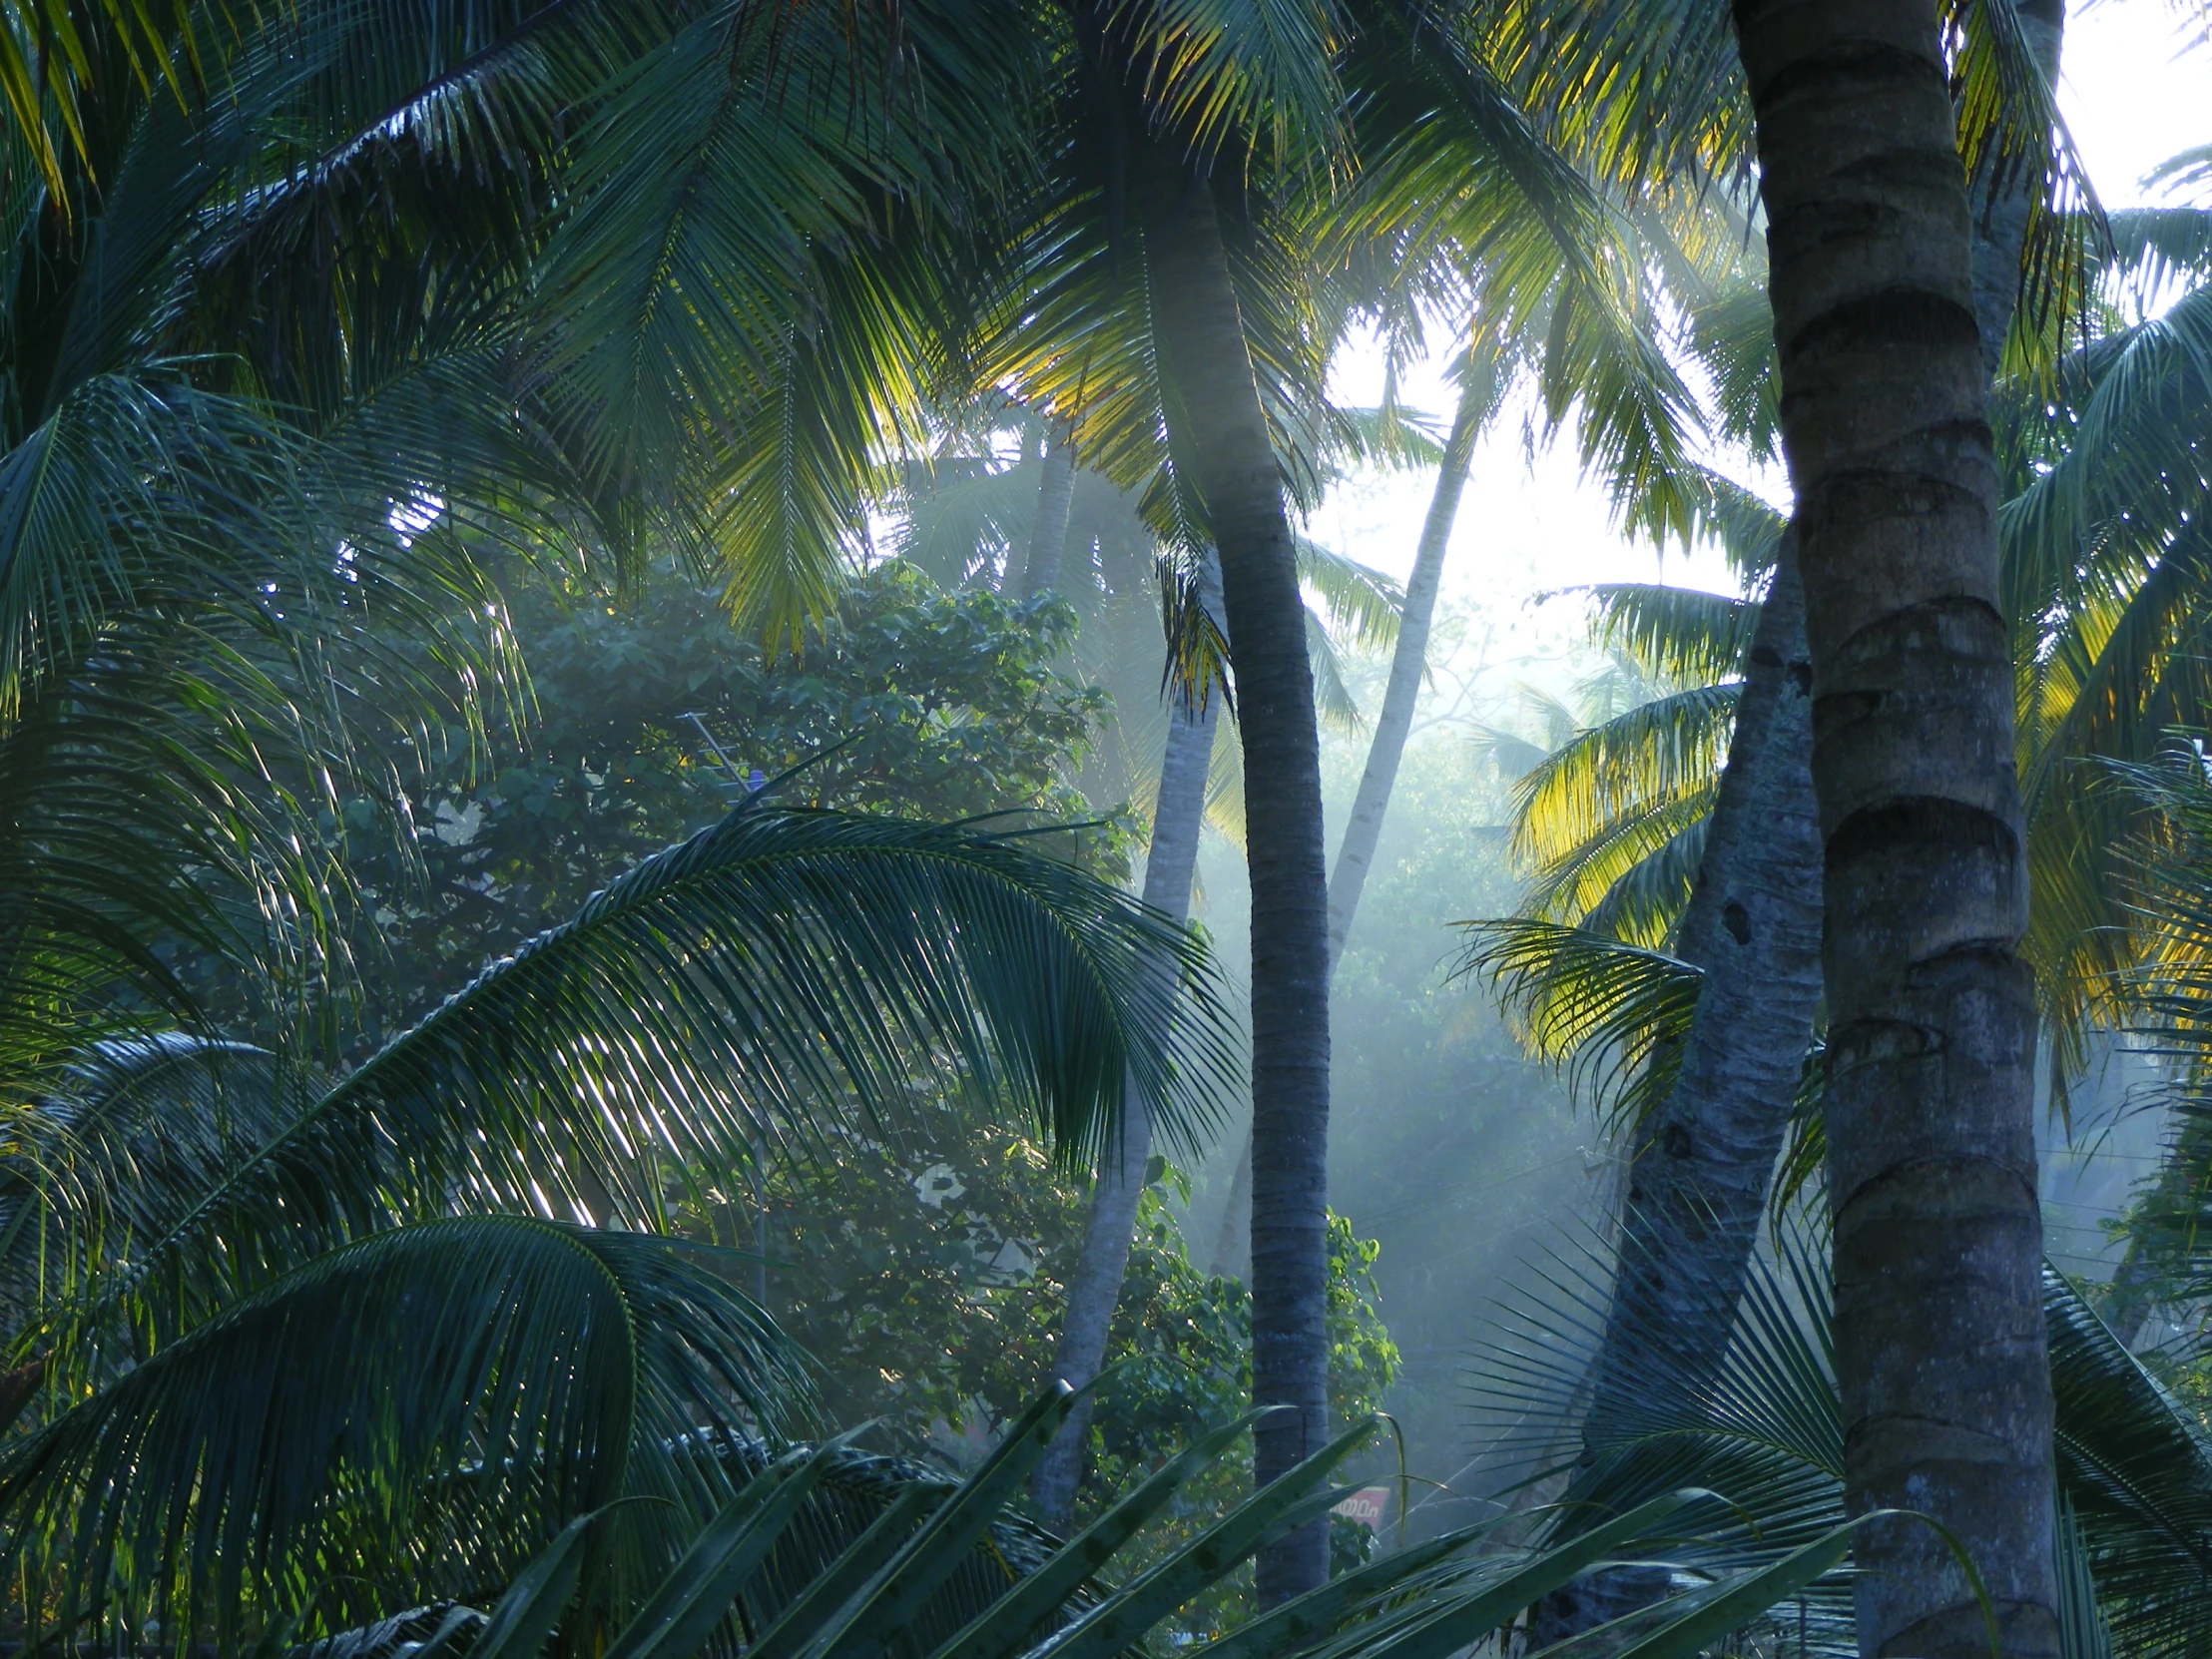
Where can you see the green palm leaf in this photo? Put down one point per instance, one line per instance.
(397, 1418)
(1612, 1015)
(780, 968)
(2134, 1466)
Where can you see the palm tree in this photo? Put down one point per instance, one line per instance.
(1480, 389)
(958, 510)
(2102, 669)
(1191, 143)
(460, 1249)
(1931, 1163)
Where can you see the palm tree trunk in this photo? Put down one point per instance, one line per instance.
(1699, 1176)
(1700, 1179)
(1095, 1285)
(1401, 696)
(2004, 198)
(1409, 661)
(1698, 1183)
(1055, 493)
(1220, 436)
(1232, 1257)
(1939, 1345)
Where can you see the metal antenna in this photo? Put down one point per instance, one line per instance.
(728, 765)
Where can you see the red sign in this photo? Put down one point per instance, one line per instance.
(1364, 1506)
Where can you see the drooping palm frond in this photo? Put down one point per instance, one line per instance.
(2154, 248)
(780, 966)
(2132, 464)
(965, 518)
(1644, 903)
(1611, 1015)
(1333, 699)
(1432, 1598)
(1652, 91)
(1390, 436)
(175, 792)
(1732, 335)
(1674, 634)
(1656, 756)
(1634, 855)
(406, 1417)
(1234, 73)
(2137, 1472)
(1360, 602)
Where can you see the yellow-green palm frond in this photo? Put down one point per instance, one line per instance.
(1638, 91)
(2110, 683)
(1643, 905)
(1654, 758)
(1582, 885)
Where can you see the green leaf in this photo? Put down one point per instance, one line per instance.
(1004, 1626)
(525, 1616)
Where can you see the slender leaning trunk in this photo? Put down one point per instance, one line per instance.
(1220, 437)
(1095, 1285)
(1401, 696)
(1409, 661)
(1939, 1345)
(1055, 494)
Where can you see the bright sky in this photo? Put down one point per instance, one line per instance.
(2131, 95)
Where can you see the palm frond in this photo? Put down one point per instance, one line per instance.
(1224, 74)
(1655, 755)
(1611, 1017)
(783, 968)
(1362, 603)
(1677, 633)
(1764, 1429)
(1417, 1603)
(452, 1384)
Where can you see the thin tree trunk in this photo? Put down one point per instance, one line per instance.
(1232, 1257)
(1940, 1344)
(1095, 1287)
(1221, 435)
(1055, 493)
(1409, 661)
(1401, 696)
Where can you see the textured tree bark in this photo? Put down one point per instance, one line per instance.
(1221, 437)
(1055, 493)
(1401, 696)
(1095, 1287)
(1698, 1183)
(1940, 1343)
